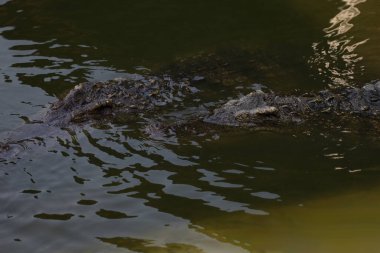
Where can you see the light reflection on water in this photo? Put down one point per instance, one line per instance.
(107, 188)
(334, 58)
(21, 62)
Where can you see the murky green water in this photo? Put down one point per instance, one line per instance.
(117, 189)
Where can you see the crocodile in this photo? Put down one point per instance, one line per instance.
(121, 96)
(131, 97)
(124, 98)
(260, 108)
(100, 100)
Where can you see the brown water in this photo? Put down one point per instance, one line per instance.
(116, 189)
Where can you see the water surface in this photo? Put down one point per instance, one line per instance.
(115, 188)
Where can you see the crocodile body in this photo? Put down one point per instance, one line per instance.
(99, 100)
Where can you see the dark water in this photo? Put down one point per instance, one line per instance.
(114, 188)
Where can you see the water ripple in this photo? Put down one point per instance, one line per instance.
(334, 58)
(195, 193)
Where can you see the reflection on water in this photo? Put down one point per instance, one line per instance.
(334, 59)
(24, 62)
(115, 189)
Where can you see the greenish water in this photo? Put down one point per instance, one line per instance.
(117, 189)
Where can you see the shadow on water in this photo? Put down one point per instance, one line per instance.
(55, 45)
(61, 43)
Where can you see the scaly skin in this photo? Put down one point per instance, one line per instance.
(261, 109)
(94, 101)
